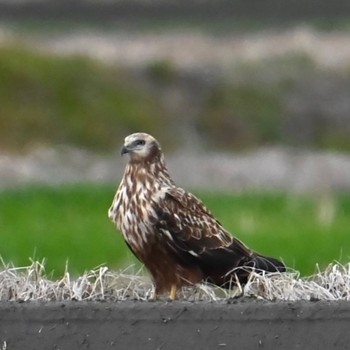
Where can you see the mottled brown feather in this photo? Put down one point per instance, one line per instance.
(170, 230)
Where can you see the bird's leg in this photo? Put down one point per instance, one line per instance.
(154, 295)
(173, 290)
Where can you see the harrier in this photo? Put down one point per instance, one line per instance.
(171, 231)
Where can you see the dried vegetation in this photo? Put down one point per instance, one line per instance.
(30, 283)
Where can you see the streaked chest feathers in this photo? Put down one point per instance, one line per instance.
(132, 209)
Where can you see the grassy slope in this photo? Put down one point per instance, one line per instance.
(50, 100)
(59, 224)
(71, 223)
(47, 99)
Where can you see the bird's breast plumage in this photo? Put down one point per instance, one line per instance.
(133, 208)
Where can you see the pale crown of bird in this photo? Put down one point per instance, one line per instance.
(139, 146)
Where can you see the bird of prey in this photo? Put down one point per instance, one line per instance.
(171, 231)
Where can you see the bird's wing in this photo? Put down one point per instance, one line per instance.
(191, 231)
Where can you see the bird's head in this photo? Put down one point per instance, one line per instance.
(141, 147)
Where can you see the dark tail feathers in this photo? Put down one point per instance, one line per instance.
(260, 264)
(257, 262)
(267, 264)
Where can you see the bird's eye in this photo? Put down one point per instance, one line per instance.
(140, 142)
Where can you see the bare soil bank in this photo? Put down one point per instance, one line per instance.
(175, 325)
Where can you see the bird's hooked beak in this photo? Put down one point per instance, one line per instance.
(124, 150)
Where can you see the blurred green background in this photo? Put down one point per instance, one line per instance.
(70, 223)
(49, 99)
(214, 83)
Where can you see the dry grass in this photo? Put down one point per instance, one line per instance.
(31, 283)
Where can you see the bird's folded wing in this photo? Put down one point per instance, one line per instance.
(189, 228)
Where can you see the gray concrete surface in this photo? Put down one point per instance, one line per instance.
(175, 325)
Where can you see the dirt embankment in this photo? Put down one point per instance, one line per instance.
(175, 325)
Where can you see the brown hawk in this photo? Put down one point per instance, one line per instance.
(170, 230)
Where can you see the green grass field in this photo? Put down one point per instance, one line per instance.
(70, 223)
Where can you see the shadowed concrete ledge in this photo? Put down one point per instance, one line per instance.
(175, 325)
